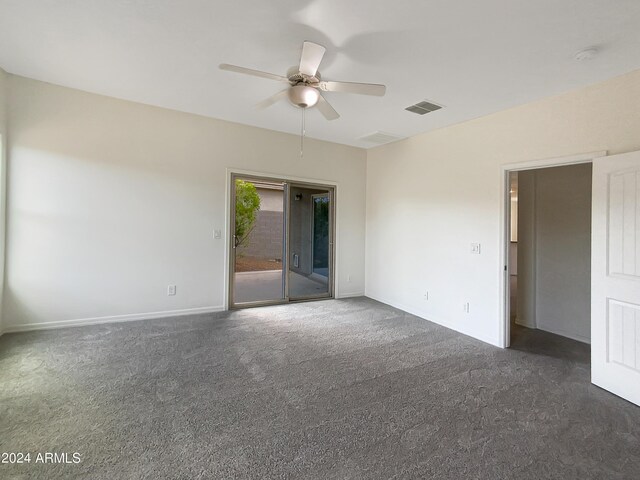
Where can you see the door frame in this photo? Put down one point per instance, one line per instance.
(505, 227)
(332, 186)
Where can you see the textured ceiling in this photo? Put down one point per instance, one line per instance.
(474, 57)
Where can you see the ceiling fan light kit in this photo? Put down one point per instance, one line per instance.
(303, 96)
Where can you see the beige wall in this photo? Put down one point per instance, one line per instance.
(430, 196)
(563, 244)
(271, 200)
(3, 171)
(3, 101)
(111, 201)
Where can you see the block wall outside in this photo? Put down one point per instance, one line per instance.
(265, 240)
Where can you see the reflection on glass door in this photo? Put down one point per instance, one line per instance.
(258, 242)
(310, 242)
(320, 235)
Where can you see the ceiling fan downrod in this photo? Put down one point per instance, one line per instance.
(302, 133)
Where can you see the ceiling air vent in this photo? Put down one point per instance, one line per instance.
(380, 137)
(423, 107)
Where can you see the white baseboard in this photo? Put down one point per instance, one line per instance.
(449, 325)
(350, 295)
(524, 323)
(80, 322)
(572, 336)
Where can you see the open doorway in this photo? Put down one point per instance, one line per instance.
(549, 260)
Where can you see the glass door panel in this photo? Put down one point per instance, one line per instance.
(320, 235)
(310, 242)
(258, 242)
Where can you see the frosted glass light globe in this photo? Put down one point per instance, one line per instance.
(303, 96)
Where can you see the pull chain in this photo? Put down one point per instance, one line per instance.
(302, 132)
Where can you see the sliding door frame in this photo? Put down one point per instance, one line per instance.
(288, 182)
(330, 280)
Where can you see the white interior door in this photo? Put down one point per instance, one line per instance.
(615, 275)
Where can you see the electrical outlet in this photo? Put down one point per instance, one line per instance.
(466, 307)
(171, 290)
(217, 234)
(475, 248)
(426, 295)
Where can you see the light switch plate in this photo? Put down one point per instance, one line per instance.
(475, 248)
(217, 234)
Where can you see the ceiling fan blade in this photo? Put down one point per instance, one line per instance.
(352, 87)
(272, 99)
(255, 73)
(326, 109)
(311, 57)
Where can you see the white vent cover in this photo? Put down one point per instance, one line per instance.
(380, 138)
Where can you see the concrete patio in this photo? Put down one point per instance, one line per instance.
(267, 285)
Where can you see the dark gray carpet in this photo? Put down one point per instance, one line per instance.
(334, 389)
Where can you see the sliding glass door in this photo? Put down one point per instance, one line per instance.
(310, 242)
(281, 241)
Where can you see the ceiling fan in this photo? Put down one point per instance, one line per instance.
(305, 83)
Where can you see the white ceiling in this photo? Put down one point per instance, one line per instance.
(474, 57)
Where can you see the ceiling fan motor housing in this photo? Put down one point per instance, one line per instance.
(303, 96)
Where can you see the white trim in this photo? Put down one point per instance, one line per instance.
(524, 323)
(505, 205)
(351, 295)
(80, 322)
(578, 338)
(554, 162)
(439, 321)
